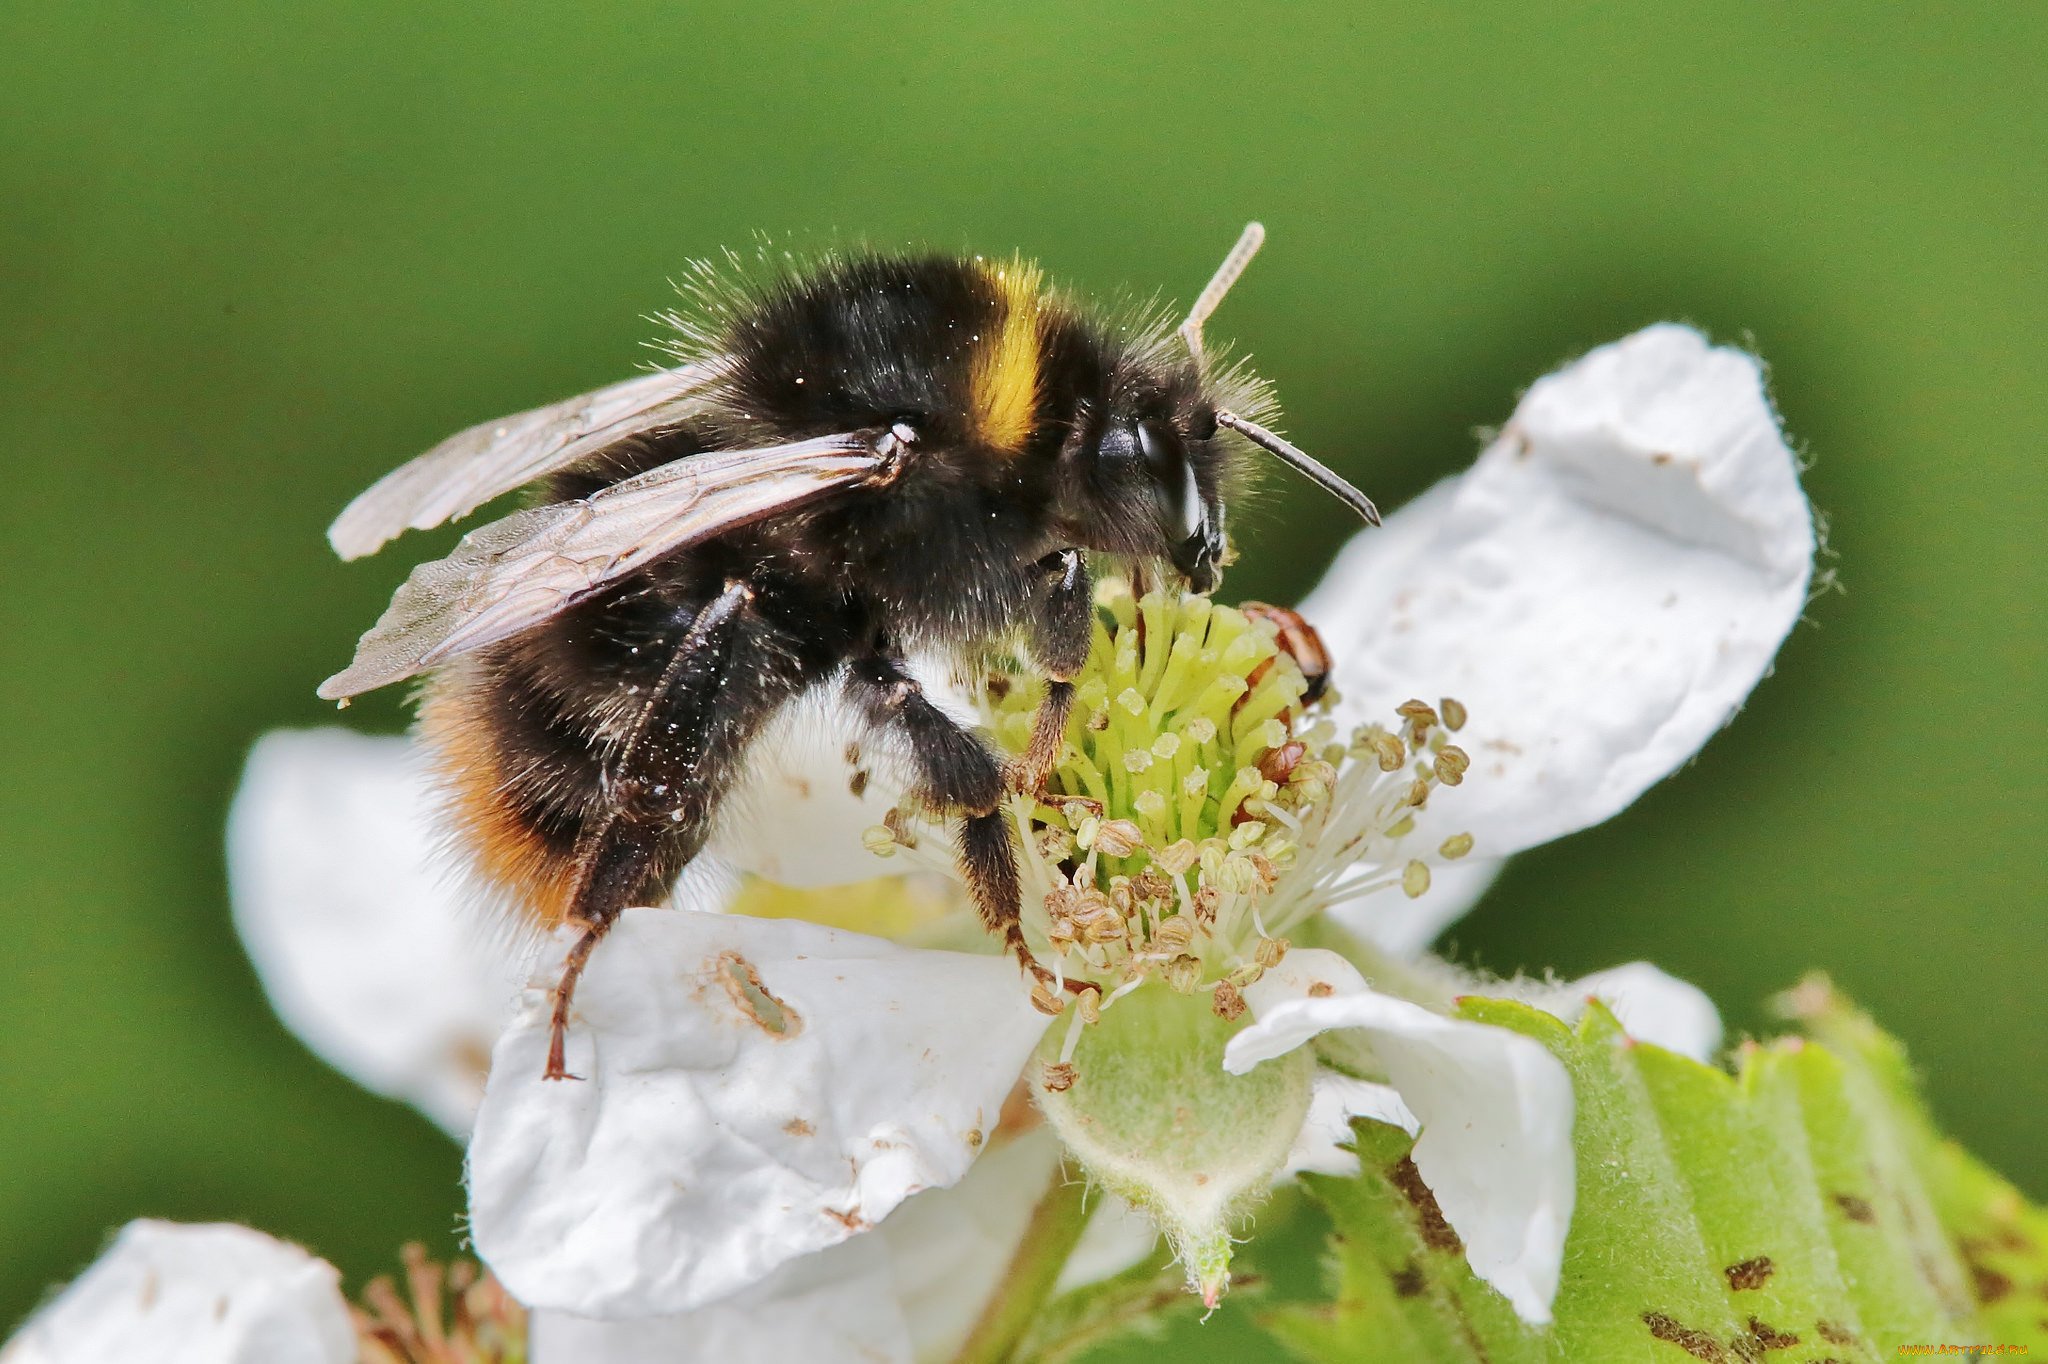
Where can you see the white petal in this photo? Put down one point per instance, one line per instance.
(1117, 1236)
(727, 1127)
(1651, 1006)
(1334, 1102)
(367, 951)
(911, 1291)
(214, 1294)
(1601, 590)
(1400, 927)
(949, 1247)
(1495, 1109)
(794, 818)
(835, 1307)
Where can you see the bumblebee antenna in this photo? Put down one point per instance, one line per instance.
(1248, 243)
(1298, 459)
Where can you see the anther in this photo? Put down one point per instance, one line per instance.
(1456, 846)
(1414, 879)
(1119, 837)
(1451, 764)
(1453, 713)
(1228, 1002)
(1173, 935)
(1416, 712)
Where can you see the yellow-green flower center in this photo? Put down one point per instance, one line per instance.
(1198, 809)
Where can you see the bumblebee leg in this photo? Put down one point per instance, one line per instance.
(1062, 629)
(660, 784)
(955, 772)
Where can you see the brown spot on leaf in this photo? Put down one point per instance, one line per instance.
(150, 1287)
(858, 782)
(1833, 1333)
(1856, 1209)
(1322, 989)
(1660, 459)
(852, 1221)
(1407, 1280)
(220, 1308)
(797, 1127)
(1751, 1273)
(1698, 1344)
(1987, 1283)
(743, 983)
(1436, 1232)
(1770, 1337)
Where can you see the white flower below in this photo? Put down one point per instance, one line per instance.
(181, 1294)
(756, 1089)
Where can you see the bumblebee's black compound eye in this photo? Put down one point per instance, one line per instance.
(1174, 476)
(1160, 456)
(1119, 445)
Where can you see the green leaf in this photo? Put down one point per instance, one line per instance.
(1802, 1209)
(1153, 1117)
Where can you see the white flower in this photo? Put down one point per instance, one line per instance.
(1600, 592)
(173, 1294)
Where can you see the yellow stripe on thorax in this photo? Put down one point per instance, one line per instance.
(1005, 374)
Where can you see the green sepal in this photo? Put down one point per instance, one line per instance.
(1141, 1302)
(1154, 1118)
(1798, 1210)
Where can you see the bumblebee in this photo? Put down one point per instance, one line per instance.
(849, 463)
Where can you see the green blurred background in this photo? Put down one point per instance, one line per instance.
(252, 255)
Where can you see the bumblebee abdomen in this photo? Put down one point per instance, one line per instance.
(533, 736)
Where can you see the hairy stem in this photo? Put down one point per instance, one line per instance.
(1027, 1282)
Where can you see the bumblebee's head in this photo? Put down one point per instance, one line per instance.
(1145, 483)
(1145, 473)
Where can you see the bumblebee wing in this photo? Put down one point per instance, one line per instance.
(517, 572)
(472, 467)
